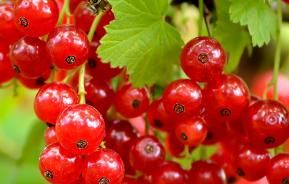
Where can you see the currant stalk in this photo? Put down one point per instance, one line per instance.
(64, 11)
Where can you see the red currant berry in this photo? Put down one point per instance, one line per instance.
(203, 59)
(216, 132)
(105, 20)
(131, 102)
(267, 124)
(73, 4)
(28, 52)
(251, 163)
(83, 16)
(228, 100)
(65, 57)
(59, 166)
(6, 69)
(50, 135)
(52, 99)
(169, 173)
(130, 180)
(182, 98)
(34, 83)
(35, 17)
(80, 129)
(206, 172)
(103, 167)
(278, 172)
(158, 117)
(146, 153)
(8, 28)
(174, 146)
(192, 131)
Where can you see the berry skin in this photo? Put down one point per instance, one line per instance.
(59, 166)
(80, 129)
(146, 153)
(216, 131)
(174, 146)
(228, 100)
(28, 52)
(34, 83)
(105, 20)
(182, 98)
(50, 135)
(6, 69)
(251, 163)
(83, 16)
(169, 173)
(65, 57)
(131, 102)
(203, 59)
(192, 131)
(8, 29)
(158, 117)
(278, 172)
(103, 167)
(206, 172)
(52, 99)
(35, 17)
(267, 124)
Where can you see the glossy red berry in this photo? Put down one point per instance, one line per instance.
(29, 57)
(103, 167)
(278, 172)
(83, 16)
(8, 28)
(52, 99)
(228, 100)
(59, 166)
(267, 124)
(50, 135)
(34, 83)
(206, 172)
(6, 69)
(174, 146)
(216, 131)
(203, 59)
(35, 17)
(169, 173)
(146, 153)
(105, 20)
(251, 163)
(182, 98)
(131, 102)
(73, 4)
(192, 131)
(68, 47)
(80, 129)
(158, 117)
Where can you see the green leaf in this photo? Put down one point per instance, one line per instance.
(233, 37)
(140, 40)
(258, 16)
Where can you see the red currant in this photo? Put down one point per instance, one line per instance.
(267, 124)
(103, 167)
(216, 132)
(28, 52)
(203, 59)
(34, 83)
(174, 146)
(35, 17)
(278, 172)
(105, 20)
(52, 99)
(80, 129)
(131, 102)
(182, 98)
(65, 57)
(6, 69)
(50, 135)
(73, 4)
(83, 16)
(58, 166)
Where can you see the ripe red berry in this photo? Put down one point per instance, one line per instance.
(83, 16)
(50, 135)
(169, 173)
(68, 47)
(29, 57)
(216, 131)
(34, 83)
(6, 69)
(228, 100)
(73, 4)
(105, 20)
(207, 172)
(35, 17)
(59, 166)
(146, 153)
(203, 59)
(52, 99)
(182, 98)
(131, 102)
(103, 167)
(80, 129)
(192, 131)
(267, 124)
(278, 172)
(174, 146)
(251, 163)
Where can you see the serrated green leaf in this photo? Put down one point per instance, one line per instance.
(233, 37)
(258, 16)
(140, 40)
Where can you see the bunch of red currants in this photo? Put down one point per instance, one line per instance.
(95, 142)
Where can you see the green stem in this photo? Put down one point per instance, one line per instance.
(64, 11)
(201, 18)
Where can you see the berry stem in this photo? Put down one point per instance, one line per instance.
(201, 14)
(64, 11)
